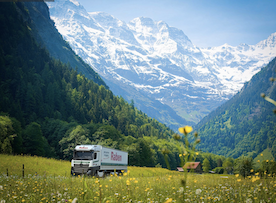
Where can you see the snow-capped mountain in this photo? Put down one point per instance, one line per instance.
(144, 57)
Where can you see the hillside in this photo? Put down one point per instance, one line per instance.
(46, 107)
(46, 34)
(246, 123)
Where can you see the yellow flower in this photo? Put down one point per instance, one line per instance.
(180, 155)
(261, 154)
(237, 175)
(196, 153)
(185, 130)
(169, 200)
(252, 170)
(239, 180)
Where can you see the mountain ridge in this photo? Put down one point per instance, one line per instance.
(159, 60)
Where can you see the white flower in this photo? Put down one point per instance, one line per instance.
(75, 200)
(248, 200)
(198, 191)
(181, 189)
(1, 187)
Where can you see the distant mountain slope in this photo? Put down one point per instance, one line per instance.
(246, 123)
(47, 35)
(149, 58)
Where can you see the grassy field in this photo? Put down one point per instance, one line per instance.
(49, 180)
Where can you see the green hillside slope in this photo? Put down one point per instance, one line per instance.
(45, 33)
(246, 123)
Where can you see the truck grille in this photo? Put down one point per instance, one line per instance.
(81, 168)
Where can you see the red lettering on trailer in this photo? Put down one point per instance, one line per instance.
(116, 157)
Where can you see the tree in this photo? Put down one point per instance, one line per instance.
(6, 134)
(33, 140)
(79, 135)
(228, 166)
(244, 165)
(206, 165)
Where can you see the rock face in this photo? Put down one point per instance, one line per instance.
(156, 65)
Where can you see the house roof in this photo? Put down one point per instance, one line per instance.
(180, 169)
(191, 165)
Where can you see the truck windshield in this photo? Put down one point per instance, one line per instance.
(84, 155)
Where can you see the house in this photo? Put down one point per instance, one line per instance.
(180, 169)
(194, 167)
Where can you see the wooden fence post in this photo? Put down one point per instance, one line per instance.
(23, 170)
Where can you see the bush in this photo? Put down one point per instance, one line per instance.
(219, 170)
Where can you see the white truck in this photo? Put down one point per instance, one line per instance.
(97, 160)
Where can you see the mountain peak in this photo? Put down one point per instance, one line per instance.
(144, 21)
(269, 42)
(75, 2)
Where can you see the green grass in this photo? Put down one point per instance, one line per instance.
(155, 185)
(263, 156)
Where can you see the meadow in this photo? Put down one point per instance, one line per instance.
(49, 180)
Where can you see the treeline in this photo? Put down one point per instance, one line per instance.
(244, 125)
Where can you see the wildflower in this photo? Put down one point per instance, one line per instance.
(237, 175)
(196, 153)
(249, 200)
(261, 154)
(75, 200)
(198, 191)
(1, 187)
(168, 200)
(185, 130)
(181, 189)
(239, 180)
(255, 178)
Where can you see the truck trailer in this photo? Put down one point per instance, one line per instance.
(96, 160)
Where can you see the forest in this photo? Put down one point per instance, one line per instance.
(244, 125)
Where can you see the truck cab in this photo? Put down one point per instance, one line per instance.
(85, 160)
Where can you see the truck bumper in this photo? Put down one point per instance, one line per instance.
(85, 171)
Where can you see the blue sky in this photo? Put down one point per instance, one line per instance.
(207, 23)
